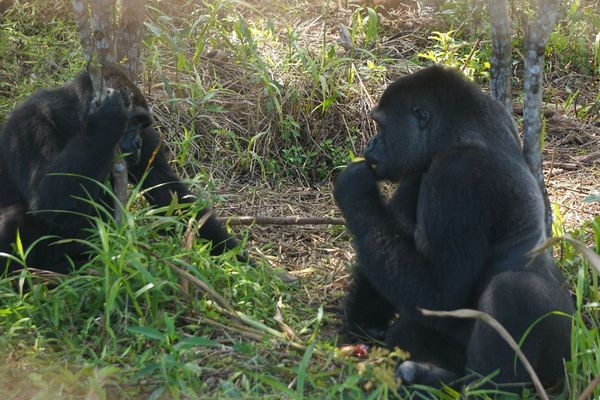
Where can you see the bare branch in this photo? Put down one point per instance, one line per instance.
(120, 182)
(592, 257)
(589, 390)
(264, 220)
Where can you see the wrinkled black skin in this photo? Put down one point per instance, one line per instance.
(57, 132)
(454, 235)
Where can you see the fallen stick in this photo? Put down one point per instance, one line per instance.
(264, 220)
(589, 390)
(501, 330)
(120, 182)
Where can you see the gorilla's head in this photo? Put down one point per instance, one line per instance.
(417, 116)
(131, 142)
(115, 77)
(400, 146)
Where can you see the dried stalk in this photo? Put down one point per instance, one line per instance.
(497, 326)
(589, 390)
(120, 183)
(265, 220)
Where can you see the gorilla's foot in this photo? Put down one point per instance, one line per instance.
(412, 372)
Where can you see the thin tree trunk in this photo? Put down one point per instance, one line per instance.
(536, 37)
(98, 41)
(501, 71)
(128, 45)
(103, 29)
(129, 36)
(82, 20)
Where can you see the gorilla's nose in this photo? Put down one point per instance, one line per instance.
(137, 143)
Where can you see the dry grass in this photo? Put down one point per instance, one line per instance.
(571, 155)
(318, 255)
(571, 165)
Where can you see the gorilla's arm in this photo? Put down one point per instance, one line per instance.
(433, 270)
(162, 183)
(403, 205)
(59, 165)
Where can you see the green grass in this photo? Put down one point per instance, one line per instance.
(261, 92)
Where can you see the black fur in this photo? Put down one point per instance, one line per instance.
(58, 132)
(454, 235)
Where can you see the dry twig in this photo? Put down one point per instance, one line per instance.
(588, 392)
(497, 326)
(295, 220)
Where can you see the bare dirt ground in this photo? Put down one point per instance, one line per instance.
(322, 254)
(571, 161)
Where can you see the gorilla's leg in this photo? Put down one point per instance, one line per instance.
(435, 357)
(517, 300)
(46, 253)
(162, 183)
(367, 313)
(10, 218)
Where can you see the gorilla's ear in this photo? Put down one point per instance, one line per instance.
(422, 116)
(141, 119)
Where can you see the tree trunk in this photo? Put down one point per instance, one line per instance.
(103, 29)
(536, 37)
(98, 41)
(129, 36)
(501, 71)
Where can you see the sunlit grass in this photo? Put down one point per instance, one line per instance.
(237, 91)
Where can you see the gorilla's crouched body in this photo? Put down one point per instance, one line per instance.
(454, 235)
(56, 145)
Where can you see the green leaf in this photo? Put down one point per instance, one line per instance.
(143, 290)
(19, 245)
(146, 331)
(372, 25)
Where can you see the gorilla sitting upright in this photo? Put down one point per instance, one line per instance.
(454, 234)
(57, 145)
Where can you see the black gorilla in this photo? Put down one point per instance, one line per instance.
(454, 235)
(57, 140)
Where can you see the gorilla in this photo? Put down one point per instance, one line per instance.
(57, 145)
(454, 234)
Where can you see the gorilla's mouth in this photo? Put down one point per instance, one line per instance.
(132, 157)
(372, 163)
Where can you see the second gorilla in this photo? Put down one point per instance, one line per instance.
(454, 235)
(57, 145)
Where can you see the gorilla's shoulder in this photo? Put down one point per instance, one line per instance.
(463, 161)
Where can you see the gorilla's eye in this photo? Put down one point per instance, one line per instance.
(421, 115)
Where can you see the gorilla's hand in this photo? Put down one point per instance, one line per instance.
(131, 142)
(110, 118)
(354, 185)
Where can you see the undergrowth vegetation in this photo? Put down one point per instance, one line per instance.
(275, 93)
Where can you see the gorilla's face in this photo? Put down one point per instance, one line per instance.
(131, 142)
(400, 146)
(139, 117)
